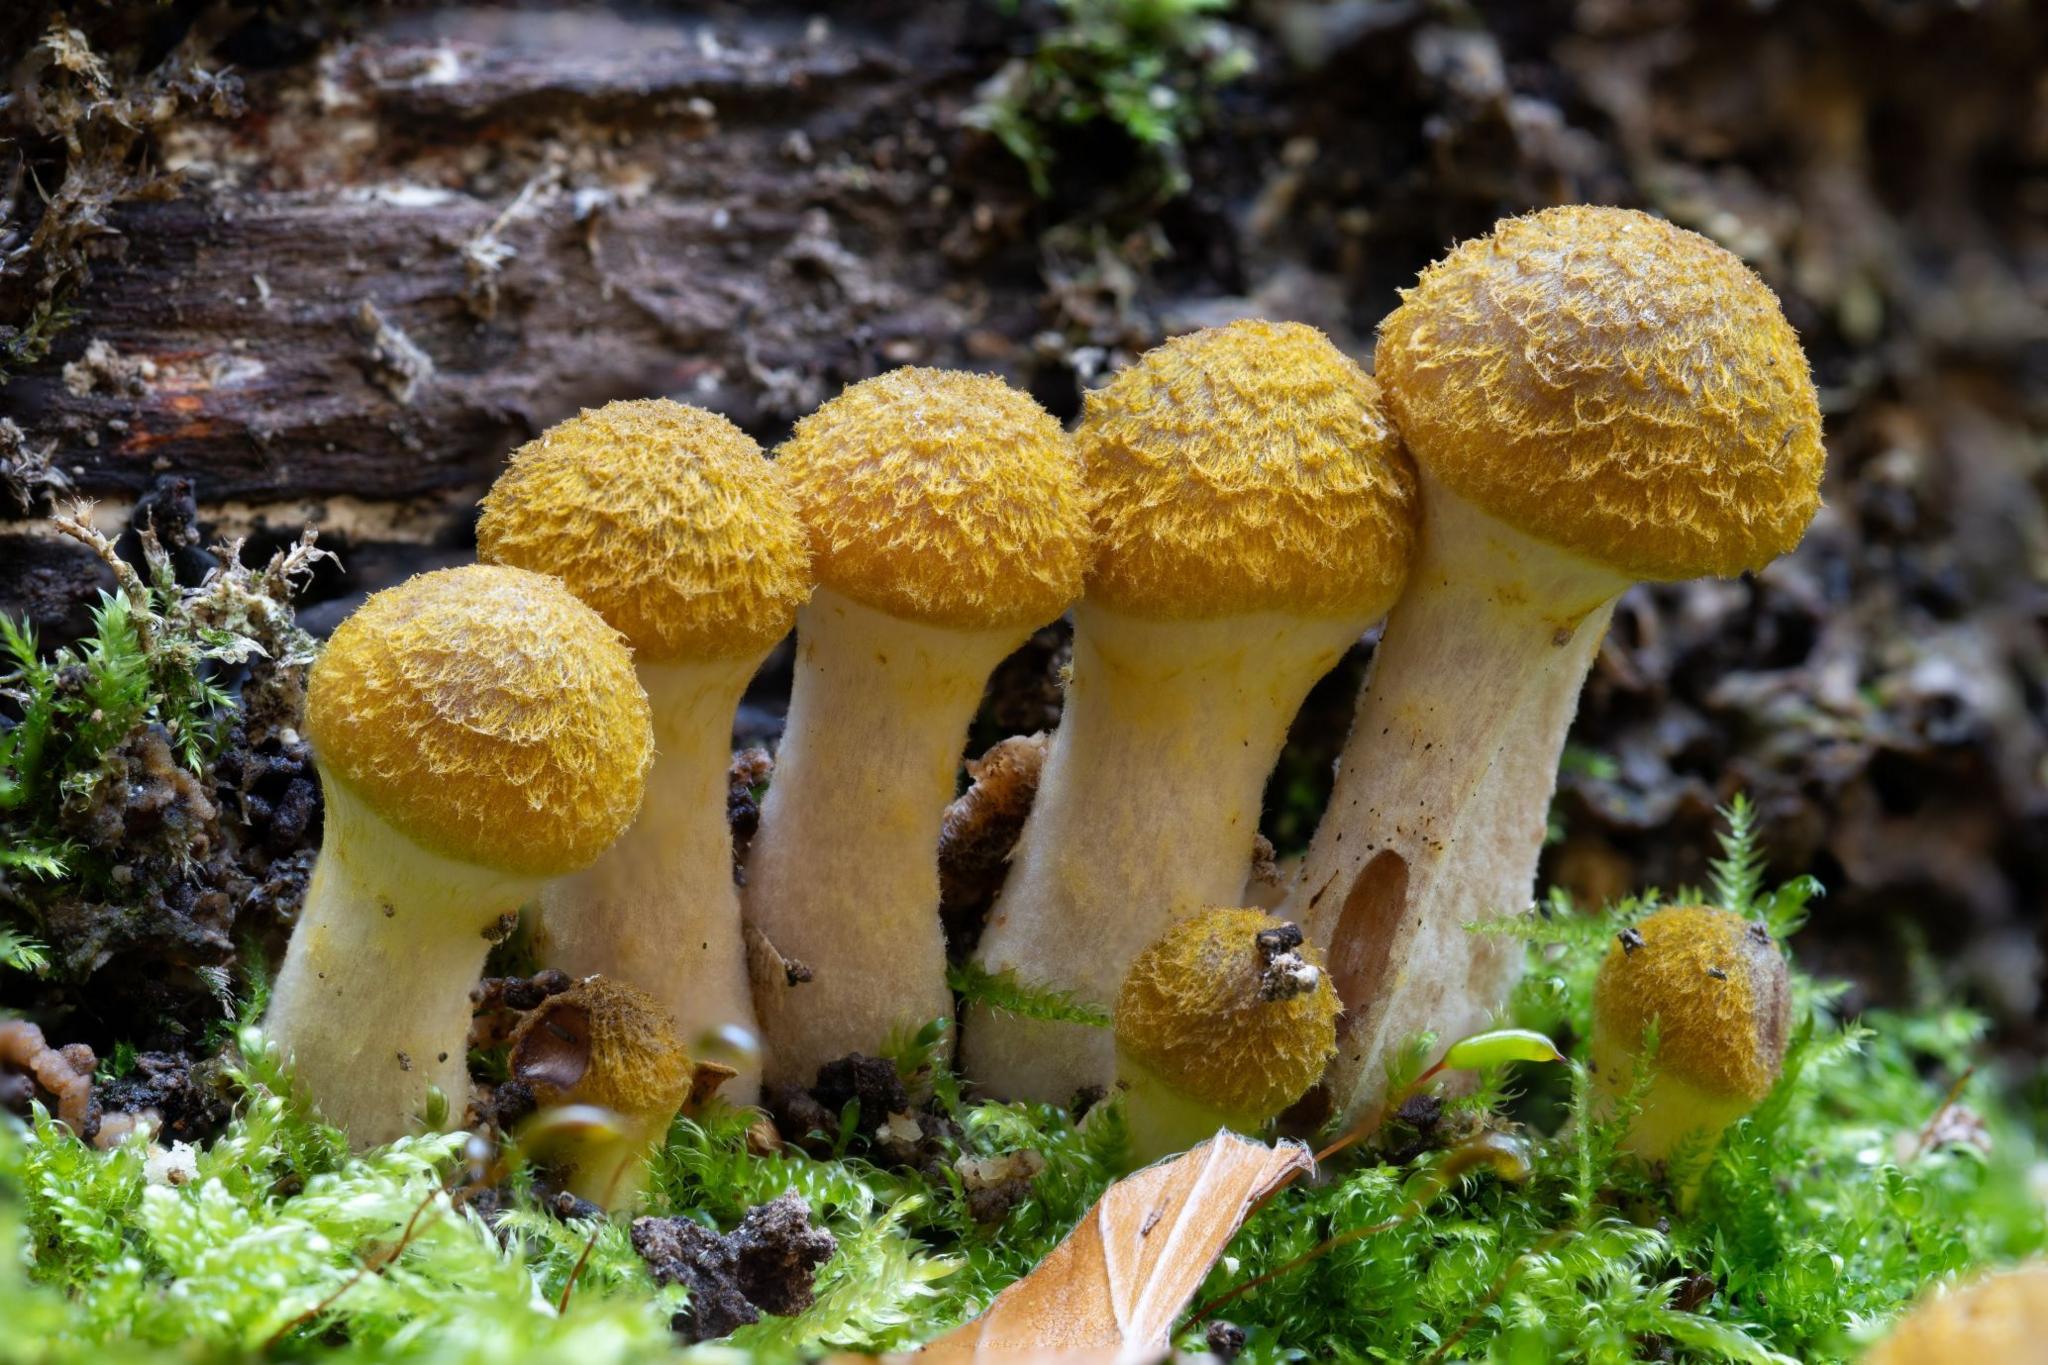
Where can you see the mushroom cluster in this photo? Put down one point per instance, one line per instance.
(1585, 398)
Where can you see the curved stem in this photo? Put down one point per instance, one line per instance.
(1443, 789)
(372, 1006)
(843, 875)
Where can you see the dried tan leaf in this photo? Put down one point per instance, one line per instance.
(1113, 1289)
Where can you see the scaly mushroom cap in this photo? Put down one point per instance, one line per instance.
(606, 1043)
(1232, 1009)
(1612, 385)
(1242, 469)
(1714, 983)
(1999, 1317)
(942, 497)
(488, 715)
(666, 518)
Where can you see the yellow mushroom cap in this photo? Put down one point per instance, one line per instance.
(942, 497)
(606, 1043)
(1714, 983)
(2001, 1317)
(488, 715)
(668, 519)
(1242, 469)
(1613, 385)
(1240, 1025)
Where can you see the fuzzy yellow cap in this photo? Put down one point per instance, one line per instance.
(606, 1043)
(488, 715)
(666, 518)
(1714, 983)
(1246, 468)
(942, 497)
(1613, 385)
(2001, 1317)
(1230, 1008)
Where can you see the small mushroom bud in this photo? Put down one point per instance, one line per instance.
(1222, 1022)
(1592, 397)
(2001, 1317)
(607, 1044)
(1714, 986)
(1254, 514)
(672, 524)
(478, 731)
(947, 522)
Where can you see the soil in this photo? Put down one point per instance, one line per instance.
(768, 1264)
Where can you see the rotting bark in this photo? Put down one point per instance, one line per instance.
(445, 233)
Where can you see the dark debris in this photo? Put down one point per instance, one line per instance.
(768, 1264)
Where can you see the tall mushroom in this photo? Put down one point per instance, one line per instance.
(947, 521)
(673, 525)
(1255, 513)
(478, 731)
(1593, 397)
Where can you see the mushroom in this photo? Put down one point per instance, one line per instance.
(1593, 397)
(1999, 1317)
(1222, 1022)
(1255, 514)
(478, 731)
(1713, 987)
(672, 524)
(947, 521)
(608, 1044)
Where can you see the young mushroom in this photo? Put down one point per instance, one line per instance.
(1255, 513)
(947, 521)
(1222, 1023)
(478, 731)
(607, 1044)
(2001, 1317)
(672, 524)
(1593, 397)
(1712, 985)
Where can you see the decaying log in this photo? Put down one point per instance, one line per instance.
(439, 237)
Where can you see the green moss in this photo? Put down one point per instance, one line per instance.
(1003, 991)
(1818, 1218)
(161, 668)
(1146, 68)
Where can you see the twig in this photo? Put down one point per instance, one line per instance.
(1927, 1130)
(377, 1267)
(611, 1190)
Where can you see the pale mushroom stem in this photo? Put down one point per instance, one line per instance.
(843, 875)
(1147, 811)
(616, 1174)
(371, 1007)
(1444, 786)
(659, 909)
(1161, 1121)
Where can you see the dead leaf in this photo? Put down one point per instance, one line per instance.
(1113, 1289)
